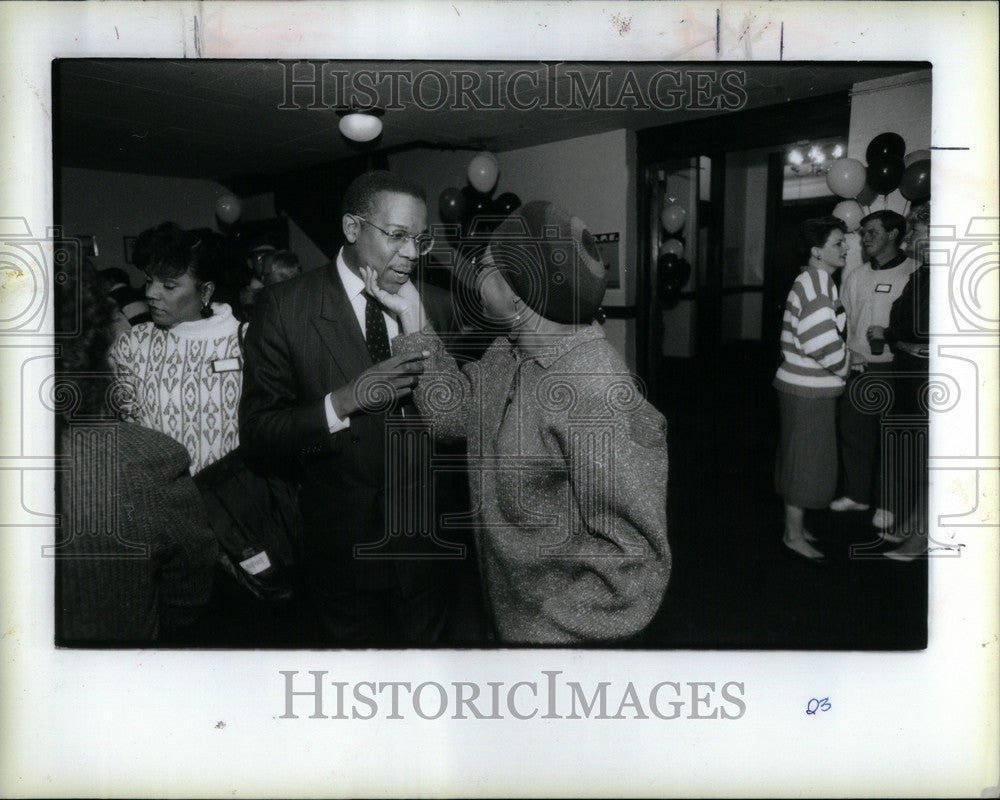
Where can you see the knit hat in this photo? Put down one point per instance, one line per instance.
(551, 260)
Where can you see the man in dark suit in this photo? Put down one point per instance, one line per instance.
(323, 398)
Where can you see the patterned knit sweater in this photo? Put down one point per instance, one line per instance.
(567, 470)
(814, 354)
(185, 382)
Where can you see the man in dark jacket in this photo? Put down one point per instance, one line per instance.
(325, 399)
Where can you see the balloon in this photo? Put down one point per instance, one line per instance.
(506, 204)
(672, 273)
(451, 205)
(672, 270)
(672, 246)
(884, 174)
(483, 171)
(885, 145)
(866, 195)
(850, 212)
(916, 181)
(478, 208)
(916, 155)
(679, 273)
(846, 177)
(228, 208)
(673, 217)
(476, 203)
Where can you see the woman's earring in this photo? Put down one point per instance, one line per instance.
(517, 311)
(206, 309)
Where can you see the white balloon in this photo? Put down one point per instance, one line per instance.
(672, 246)
(484, 169)
(228, 208)
(673, 217)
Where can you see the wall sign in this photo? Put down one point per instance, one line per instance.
(608, 245)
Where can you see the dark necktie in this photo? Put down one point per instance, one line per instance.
(376, 334)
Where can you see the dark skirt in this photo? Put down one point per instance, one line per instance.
(806, 472)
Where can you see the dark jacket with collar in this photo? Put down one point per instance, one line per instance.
(303, 343)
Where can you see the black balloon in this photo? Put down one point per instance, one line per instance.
(884, 174)
(916, 181)
(885, 145)
(451, 205)
(478, 210)
(506, 204)
(672, 272)
(672, 269)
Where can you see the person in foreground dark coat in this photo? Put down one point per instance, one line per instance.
(134, 550)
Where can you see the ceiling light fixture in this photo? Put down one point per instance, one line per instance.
(360, 125)
(813, 158)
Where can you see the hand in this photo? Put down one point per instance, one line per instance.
(405, 304)
(377, 388)
(876, 332)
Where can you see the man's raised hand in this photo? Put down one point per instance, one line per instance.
(377, 388)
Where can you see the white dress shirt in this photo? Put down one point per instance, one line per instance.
(355, 288)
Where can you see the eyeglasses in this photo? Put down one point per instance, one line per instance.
(423, 242)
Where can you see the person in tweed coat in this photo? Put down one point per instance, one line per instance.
(567, 460)
(134, 551)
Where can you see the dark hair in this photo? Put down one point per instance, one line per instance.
(113, 277)
(149, 240)
(169, 251)
(891, 221)
(85, 313)
(282, 259)
(360, 195)
(920, 213)
(814, 233)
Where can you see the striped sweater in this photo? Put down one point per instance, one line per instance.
(814, 353)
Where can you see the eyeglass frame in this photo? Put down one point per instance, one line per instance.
(415, 238)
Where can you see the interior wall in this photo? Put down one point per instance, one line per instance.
(262, 206)
(113, 205)
(591, 176)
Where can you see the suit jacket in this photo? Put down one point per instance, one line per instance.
(304, 342)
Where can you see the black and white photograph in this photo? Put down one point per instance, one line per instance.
(480, 395)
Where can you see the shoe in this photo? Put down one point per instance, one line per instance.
(883, 519)
(893, 537)
(905, 556)
(847, 504)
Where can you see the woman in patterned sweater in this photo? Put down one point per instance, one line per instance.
(183, 370)
(811, 377)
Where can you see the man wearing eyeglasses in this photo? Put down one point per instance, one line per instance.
(322, 397)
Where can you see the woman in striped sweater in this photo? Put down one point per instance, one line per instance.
(811, 377)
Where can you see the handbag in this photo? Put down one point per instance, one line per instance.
(257, 522)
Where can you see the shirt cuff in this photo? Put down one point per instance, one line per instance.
(333, 422)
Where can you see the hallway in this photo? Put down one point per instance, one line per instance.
(733, 585)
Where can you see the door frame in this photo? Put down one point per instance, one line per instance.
(714, 136)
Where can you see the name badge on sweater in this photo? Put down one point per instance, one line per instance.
(885, 288)
(226, 365)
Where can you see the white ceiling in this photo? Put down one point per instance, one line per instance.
(219, 119)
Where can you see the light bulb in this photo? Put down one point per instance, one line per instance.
(360, 127)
